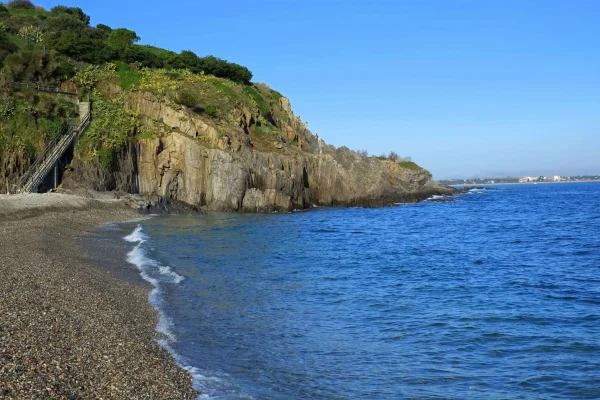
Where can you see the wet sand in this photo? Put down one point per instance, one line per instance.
(68, 329)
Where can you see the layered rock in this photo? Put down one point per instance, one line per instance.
(222, 165)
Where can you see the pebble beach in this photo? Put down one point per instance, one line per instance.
(69, 329)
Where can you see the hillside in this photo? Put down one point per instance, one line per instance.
(182, 127)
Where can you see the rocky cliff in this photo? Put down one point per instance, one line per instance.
(229, 164)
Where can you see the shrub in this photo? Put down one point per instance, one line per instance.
(363, 153)
(22, 4)
(229, 92)
(7, 109)
(107, 156)
(393, 156)
(127, 77)
(74, 11)
(35, 64)
(6, 47)
(409, 165)
(213, 66)
(210, 111)
(187, 98)
(3, 10)
(255, 95)
(276, 95)
(30, 149)
(258, 130)
(51, 129)
(32, 33)
(122, 38)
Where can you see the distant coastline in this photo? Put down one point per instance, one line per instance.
(521, 183)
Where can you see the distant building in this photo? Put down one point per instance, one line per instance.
(556, 178)
(526, 179)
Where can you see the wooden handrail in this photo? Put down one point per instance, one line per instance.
(55, 149)
(43, 88)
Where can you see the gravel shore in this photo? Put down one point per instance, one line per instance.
(69, 330)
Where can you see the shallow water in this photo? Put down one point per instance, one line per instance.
(496, 295)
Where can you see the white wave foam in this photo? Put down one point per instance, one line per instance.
(136, 236)
(209, 386)
(138, 257)
(168, 272)
(216, 387)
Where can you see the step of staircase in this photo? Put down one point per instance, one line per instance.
(44, 164)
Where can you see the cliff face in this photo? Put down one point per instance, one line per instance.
(227, 166)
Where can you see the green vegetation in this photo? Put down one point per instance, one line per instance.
(107, 157)
(227, 90)
(128, 77)
(21, 4)
(29, 120)
(257, 98)
(66, 30)
(60, 47)
(111, 129)
(276, 95)
(394, 157)
(409, 165)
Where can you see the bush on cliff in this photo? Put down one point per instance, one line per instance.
(34, 64)
(29, 120)
(409, 165)
(21, 4)
(67, 30)
(72, 11)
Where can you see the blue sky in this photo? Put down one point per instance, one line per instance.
(466, 88)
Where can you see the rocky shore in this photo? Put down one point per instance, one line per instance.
(70, 330)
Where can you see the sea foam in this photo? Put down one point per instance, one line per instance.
(155, 273)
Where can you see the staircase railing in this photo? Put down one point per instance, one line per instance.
(53, 152)
(42, 88)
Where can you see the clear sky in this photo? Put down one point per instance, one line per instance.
(466, 88)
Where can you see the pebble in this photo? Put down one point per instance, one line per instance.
(70, 330)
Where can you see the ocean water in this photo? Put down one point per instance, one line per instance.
(493, 296)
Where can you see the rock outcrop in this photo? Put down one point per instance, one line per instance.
(220, 165)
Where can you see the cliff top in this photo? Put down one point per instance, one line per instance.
(60, 47)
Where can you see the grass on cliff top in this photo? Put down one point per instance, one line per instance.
(409, 165)
(227, 90)
(32, 13)
(157, 51)
(261, 103)
(127, 77)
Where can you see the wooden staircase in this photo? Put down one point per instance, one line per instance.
(48, 160)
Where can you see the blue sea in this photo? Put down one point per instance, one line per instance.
(493, 296)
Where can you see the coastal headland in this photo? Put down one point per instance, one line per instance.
(68, 329)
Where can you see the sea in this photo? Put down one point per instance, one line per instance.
(494, 295)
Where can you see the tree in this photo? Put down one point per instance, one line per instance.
(101, 31)
(393, 156)
(24, 4)
(81, 47)
(6, 47)
(73, 11)
(62, 22)
(122, 38)
(33, 64)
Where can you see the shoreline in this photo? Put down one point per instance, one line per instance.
(520, 183)
(70, 326)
